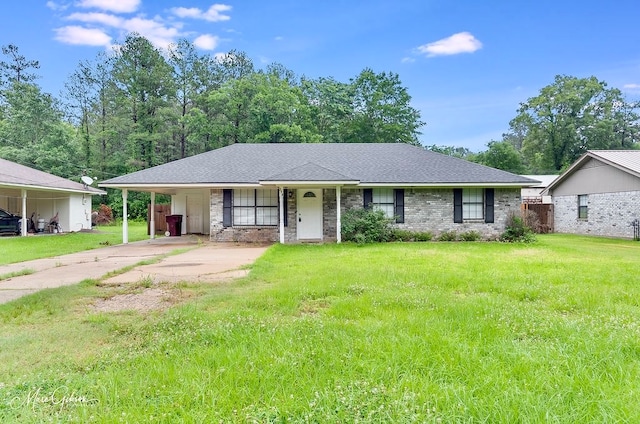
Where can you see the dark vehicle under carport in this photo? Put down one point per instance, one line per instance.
(9, 223)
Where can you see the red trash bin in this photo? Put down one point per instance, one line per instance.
(174, 224)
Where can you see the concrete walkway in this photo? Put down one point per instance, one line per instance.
(202, 261)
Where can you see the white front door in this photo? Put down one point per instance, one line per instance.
(194, 214)
(309, 219)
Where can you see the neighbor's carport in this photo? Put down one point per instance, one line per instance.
(24, 190)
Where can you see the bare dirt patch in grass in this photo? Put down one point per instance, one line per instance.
(147, 300)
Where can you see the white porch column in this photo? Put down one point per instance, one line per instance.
(281, 211)
(338, 215)
(152, 222)
(23, 225)
(125, 221)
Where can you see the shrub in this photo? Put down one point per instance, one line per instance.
(448, 236)
(470, 236)
(104, 215)
(516, 230)
(422, 236)
(401, 235)
(366, 226)
(531, 220)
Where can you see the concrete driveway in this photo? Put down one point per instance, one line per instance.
(200, 261)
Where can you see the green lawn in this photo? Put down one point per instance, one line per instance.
(19, 249)
(398, 333)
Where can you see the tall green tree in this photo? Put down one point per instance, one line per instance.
(187, 64)
(147, 89)
(382, 111)
(501, 155)
(571, 116)
(330, 107)
(16, 68)
(32, 132)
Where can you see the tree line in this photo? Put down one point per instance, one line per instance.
(137, 107)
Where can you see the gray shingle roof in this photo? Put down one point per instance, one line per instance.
(309, 172)
(369, 163)
(16, 175)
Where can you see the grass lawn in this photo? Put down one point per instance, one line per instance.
(398, 333)
(18, 249)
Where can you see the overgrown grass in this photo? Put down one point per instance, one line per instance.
(18, 249)
(433, 332)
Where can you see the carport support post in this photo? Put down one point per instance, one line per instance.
(281, 211)
(152, 223)
(23, 225)
(338, 215)
(125, 221)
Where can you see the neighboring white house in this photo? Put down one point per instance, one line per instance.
(533, 194)
(25, 190)
(599, 194)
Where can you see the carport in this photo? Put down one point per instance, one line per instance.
(24, 190)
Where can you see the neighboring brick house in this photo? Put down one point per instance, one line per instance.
(298, 192)
(599, 194)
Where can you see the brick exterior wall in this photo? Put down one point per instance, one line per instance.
(432, 210)
(608, 214)
(425, 210)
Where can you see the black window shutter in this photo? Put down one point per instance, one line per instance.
(285, 197)
(367, 193)
(226, 207)
(457, 205)
(399, 206)
(488, 205)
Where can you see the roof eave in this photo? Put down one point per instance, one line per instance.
(59, 189)
(448, 184)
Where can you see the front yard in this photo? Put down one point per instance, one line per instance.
(423, 332)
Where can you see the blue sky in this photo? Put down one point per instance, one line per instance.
(467, 64)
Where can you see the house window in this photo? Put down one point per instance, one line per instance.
(255, 207)
(473, 203)
(388, 200)
(382, 199)
(583, 208)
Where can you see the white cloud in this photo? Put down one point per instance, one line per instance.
(56, 6)
(99, 18)
(631, 86)
(155, 31)
(462, 42)
(206, 42)
(159, 34)
(82, 36)
(99, 27)
(213, 14)
(407, 60)
(118, 6)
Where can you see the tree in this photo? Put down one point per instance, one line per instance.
(330, 107)
(456, 152)
(147, 88)
(33, 134)
(571, 116)
(501, 155)
(16, 69)
(382, 111)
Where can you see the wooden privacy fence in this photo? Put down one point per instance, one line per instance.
(544, 211)
(160, 217)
